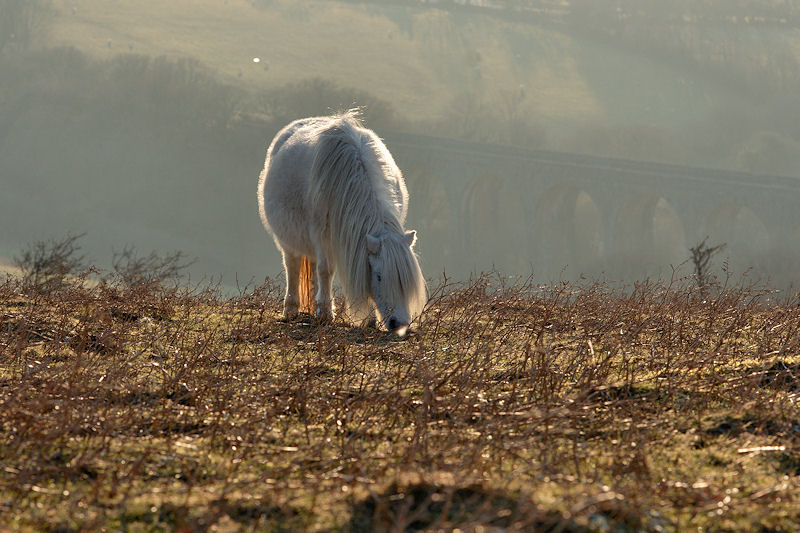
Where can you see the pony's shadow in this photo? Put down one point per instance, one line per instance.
(307, 327)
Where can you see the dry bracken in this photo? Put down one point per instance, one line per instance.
(510, 406)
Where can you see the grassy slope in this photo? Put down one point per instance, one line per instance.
(348, 44)
(431, 65)
(509, 407)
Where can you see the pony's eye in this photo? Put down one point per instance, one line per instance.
(379, 278)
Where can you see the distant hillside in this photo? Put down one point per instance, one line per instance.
(418, 59)
(113, 101)
(7, 267)
(638, 82)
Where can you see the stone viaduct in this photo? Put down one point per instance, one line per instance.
(562, 215)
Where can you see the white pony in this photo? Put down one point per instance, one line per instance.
(334, 200)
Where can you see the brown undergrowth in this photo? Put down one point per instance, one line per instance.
(509, 407)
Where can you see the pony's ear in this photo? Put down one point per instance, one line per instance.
(373, 244)
(411, 237)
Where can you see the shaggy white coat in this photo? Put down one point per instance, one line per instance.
(331, 191)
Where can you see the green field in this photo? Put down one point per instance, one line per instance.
(507, 408)
(350, 45)
(701, 90)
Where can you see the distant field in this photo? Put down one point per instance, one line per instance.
(508, 408)
(7, 267)
(432, 64)
(352, 45)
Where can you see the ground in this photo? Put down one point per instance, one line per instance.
(510, 407)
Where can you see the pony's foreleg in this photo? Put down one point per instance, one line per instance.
(291, 301)
(325, 307)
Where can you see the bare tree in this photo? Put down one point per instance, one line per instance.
(135, 270)
(701, 256)
(45, 265)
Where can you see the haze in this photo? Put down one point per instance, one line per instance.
(566, 138)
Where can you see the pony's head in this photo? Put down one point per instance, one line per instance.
(396, 283)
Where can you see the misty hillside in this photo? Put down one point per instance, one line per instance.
(145, 123)
(628, 73)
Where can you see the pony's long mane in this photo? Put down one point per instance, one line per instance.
(349, 188)
(409, 285)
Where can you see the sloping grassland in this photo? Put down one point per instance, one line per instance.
(420, 60)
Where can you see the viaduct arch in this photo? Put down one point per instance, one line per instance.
(560, 214)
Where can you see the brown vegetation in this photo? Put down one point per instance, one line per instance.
(561, 408)
(46, 265)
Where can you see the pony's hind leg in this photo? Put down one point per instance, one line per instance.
(291, 301)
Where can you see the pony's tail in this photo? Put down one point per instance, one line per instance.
(306, 288)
